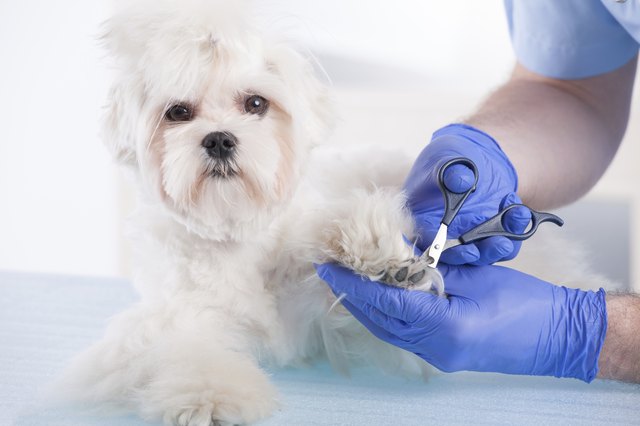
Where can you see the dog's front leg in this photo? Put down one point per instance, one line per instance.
(184, 364)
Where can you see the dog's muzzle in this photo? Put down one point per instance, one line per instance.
(221, 148)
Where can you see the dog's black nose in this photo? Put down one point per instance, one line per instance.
(220, 145)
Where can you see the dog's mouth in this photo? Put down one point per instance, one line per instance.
(222, 169)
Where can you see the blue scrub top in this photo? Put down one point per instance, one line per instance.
(570, 39)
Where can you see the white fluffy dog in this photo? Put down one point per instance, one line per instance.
(218, 124)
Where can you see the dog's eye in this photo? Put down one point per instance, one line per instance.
(256, 104)
(179, 113)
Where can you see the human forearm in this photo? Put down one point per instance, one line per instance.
(559, 134)
(620, 356)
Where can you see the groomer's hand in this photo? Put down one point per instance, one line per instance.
(496, 189)
(494, 319)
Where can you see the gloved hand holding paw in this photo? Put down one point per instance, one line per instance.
(494, 319)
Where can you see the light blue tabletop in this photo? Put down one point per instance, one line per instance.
(44, 320)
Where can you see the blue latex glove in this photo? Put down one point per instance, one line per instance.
(494, 319)
(496, 189)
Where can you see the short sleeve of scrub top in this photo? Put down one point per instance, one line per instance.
(568, 39)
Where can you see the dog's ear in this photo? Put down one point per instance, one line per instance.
(123, 38)
(312, 97)
(322, 116)
(121, 119)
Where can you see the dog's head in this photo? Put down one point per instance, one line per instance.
(215, 118)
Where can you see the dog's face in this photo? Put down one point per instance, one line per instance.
(216, 120)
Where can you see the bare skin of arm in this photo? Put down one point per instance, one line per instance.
(559, 134)
(620, 356)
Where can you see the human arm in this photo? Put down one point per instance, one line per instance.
(529, 135)
(557, 130)
(559, 118)
(620, 356)
(495, 319)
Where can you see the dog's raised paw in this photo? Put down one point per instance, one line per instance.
(412, 274)
(366, 235)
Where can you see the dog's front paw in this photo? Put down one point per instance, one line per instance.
(368, 239)
(228, 404)
(226, 388)
(413, 274)
(233, 404)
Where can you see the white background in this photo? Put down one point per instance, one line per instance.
(407, 66)
(56, 183)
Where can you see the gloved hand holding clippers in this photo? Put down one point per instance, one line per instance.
(496, 189)
(493, 318)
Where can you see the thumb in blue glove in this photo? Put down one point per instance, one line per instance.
(494, 319)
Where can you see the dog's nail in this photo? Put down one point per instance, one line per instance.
(402, 273)
(417, 277)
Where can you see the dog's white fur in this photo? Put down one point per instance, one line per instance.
(224, 264)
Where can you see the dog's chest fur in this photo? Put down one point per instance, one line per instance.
(228, 277)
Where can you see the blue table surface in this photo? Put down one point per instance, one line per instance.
(46, 319)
